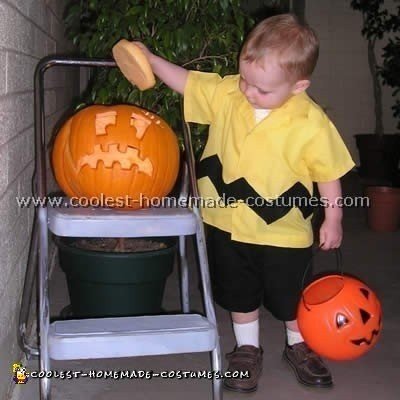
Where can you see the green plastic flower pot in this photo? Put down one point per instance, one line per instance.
(105, 284)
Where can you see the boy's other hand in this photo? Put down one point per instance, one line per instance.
(330, 234)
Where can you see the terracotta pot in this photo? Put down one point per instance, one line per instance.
(384, 208)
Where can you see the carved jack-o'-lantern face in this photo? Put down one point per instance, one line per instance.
(339, 317)
(115, 152)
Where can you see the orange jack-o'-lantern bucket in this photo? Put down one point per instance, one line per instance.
(339, 317)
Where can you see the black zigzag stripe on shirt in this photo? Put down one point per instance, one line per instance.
(240, 189)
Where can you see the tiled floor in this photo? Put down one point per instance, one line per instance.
(373, 257)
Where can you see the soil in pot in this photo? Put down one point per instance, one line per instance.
(119, 245)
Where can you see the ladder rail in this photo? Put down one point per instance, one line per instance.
(30, 350)
(42, 218)
(41, 190)
(200, 236)
(216, 358)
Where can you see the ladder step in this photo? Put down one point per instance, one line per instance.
(107, 222)
(130, 336)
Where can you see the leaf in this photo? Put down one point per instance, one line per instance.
(123, 86)
(114, 76)
(133, 97)
(93, 4)
(135, 10)
(102, 96)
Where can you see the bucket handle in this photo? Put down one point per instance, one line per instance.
(339, 268)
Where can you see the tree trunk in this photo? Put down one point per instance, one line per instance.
(298, 7)
(120, 245)
(377, 87)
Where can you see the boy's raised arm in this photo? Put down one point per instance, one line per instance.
(171, 74)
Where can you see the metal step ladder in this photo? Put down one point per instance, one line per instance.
(122, 336)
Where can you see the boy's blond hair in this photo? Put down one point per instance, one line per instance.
(293, 42)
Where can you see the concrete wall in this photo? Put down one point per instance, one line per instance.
(29, 30)
(342, 81)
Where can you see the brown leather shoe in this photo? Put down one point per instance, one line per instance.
(308, 366)
(244, 358)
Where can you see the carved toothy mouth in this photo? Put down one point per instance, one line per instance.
(359, 342)
(126, 159)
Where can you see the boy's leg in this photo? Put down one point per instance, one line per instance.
(246, 328)
(293, 335)
(310, 370)
(237, 287)
(247, 355)
(284, 270)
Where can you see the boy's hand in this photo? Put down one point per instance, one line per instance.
(172, 75)
(144, 49)
(330, 234)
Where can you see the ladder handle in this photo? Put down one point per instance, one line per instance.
(190, 159)
(39, 115)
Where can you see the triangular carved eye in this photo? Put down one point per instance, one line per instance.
(365, 316)
(341, 320)
(365, 292)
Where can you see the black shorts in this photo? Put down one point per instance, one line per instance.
(244, 276)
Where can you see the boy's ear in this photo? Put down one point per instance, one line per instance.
(301, 86)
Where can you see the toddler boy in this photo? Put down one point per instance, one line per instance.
(268, 141)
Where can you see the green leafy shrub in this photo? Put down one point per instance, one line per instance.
(204, 35)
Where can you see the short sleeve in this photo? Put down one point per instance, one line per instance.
(326, 156)
(199, 97)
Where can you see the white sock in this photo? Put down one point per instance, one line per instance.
(293, 337)
(247, 333)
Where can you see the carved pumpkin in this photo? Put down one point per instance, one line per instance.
(339, 317)
(116, 152)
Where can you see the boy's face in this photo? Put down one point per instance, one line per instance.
(266, 85)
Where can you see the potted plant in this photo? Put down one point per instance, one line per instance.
(116, 276)
(380, 153)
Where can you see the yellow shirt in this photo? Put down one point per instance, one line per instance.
(277, 160)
